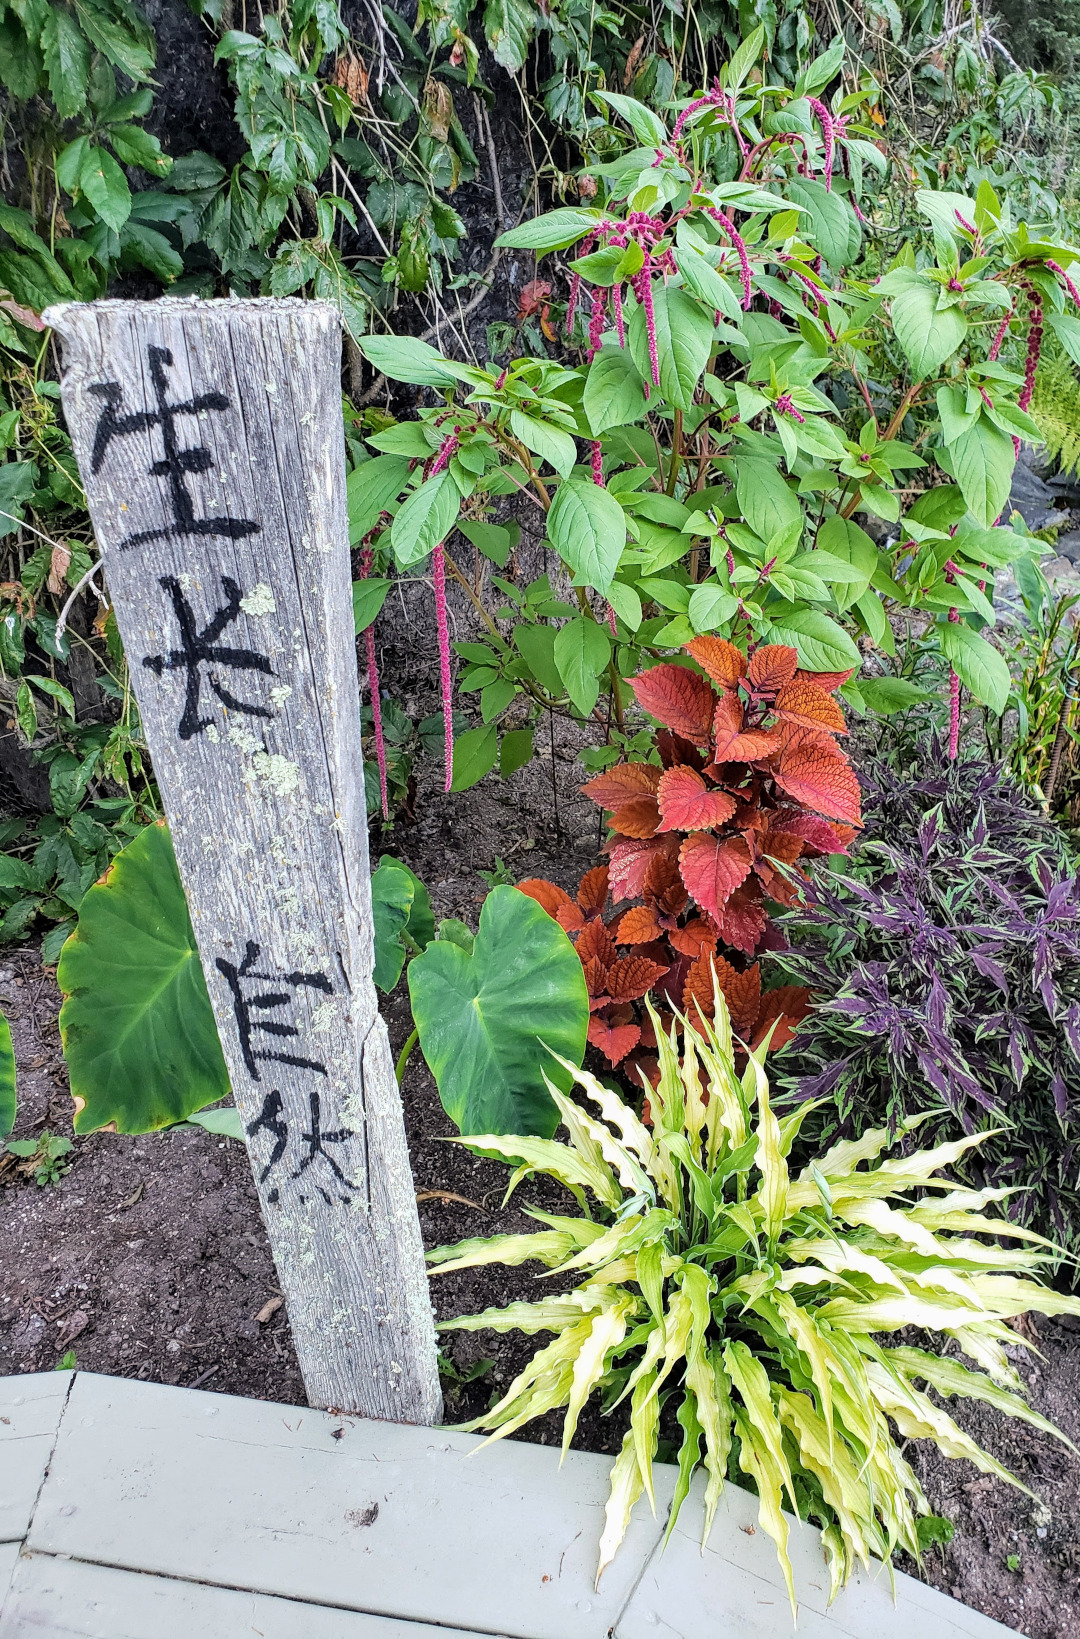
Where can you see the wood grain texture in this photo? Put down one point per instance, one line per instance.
(209, 438)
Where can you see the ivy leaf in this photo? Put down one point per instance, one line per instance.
(509, 26)
(587, 527)
(426, 518)
(983, 461)
(104, 185)
(927, 335)
(134, 146)
(979, 667)
(67, 61)
(582, 650)
(684, 340)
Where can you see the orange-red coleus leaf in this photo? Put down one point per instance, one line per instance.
(592, 893)
(614, 1041)
(789, 1005)
(712, 868)
(555, 900)
(815, 833)
(732, 745)
(595, 941)
(827, 680)
(631, 977)
(595, 978)
(802, 702)
(663, 885)
(687, 803)
(637, 818)
(697, 936)
(639, 926)
(630, 861)
(741, 991)
(678, 698)
(617, 785)
(743, 920)
(772, 665)
(824, 782)
(724, 663)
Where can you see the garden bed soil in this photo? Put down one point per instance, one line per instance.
(149, 1258)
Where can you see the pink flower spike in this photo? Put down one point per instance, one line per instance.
(438, 564)
(620, 325)
(650, 320)
(784, 406)
(1034, 349)
(611, 621)
(597, 458)
(828, 132)
(709, 99)
(596, 320)
(373, 687)
(740, 250)
(859, 217)
(954, 702)
(571, 303)
(1000, 334)
(1055, 267)
(446, 451)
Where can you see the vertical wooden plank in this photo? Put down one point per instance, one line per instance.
(209, 438)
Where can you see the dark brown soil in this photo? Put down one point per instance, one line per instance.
(149, 1258)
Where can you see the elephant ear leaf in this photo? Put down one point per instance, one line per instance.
(7, 1079)
(136, 1024)
(490, 1019)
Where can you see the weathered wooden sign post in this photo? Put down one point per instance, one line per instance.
(209, 438)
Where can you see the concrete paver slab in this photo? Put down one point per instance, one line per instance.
(9, 1555)
(372, 1517)
(30, 1411)
(65, 1599)
(736, 1590)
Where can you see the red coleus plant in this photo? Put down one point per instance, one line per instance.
(676, 963)
(752, 779)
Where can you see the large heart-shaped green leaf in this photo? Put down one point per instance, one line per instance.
(7, 1079)
(137, 1027)
(486, 1019)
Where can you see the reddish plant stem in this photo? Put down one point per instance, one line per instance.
(366, 558)
(438, 566)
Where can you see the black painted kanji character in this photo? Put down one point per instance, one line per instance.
(202, 649)
(316, 1140)
(270, 1119)
(244, 1006)
(177, 462)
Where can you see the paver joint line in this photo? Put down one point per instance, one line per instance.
(286, 1598)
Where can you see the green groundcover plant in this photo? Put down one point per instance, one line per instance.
(702, 1279)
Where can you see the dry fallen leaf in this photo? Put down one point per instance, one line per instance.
(133, 1199)
(448, 1195)
(269, 1310)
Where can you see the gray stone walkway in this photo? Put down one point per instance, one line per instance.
(133, 1511)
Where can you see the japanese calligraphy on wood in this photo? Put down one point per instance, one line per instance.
(209, 438)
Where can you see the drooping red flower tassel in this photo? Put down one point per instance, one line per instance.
(366, 558)
(739, 246)
(828, 133)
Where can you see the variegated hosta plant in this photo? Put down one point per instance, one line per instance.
(703, 1278)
